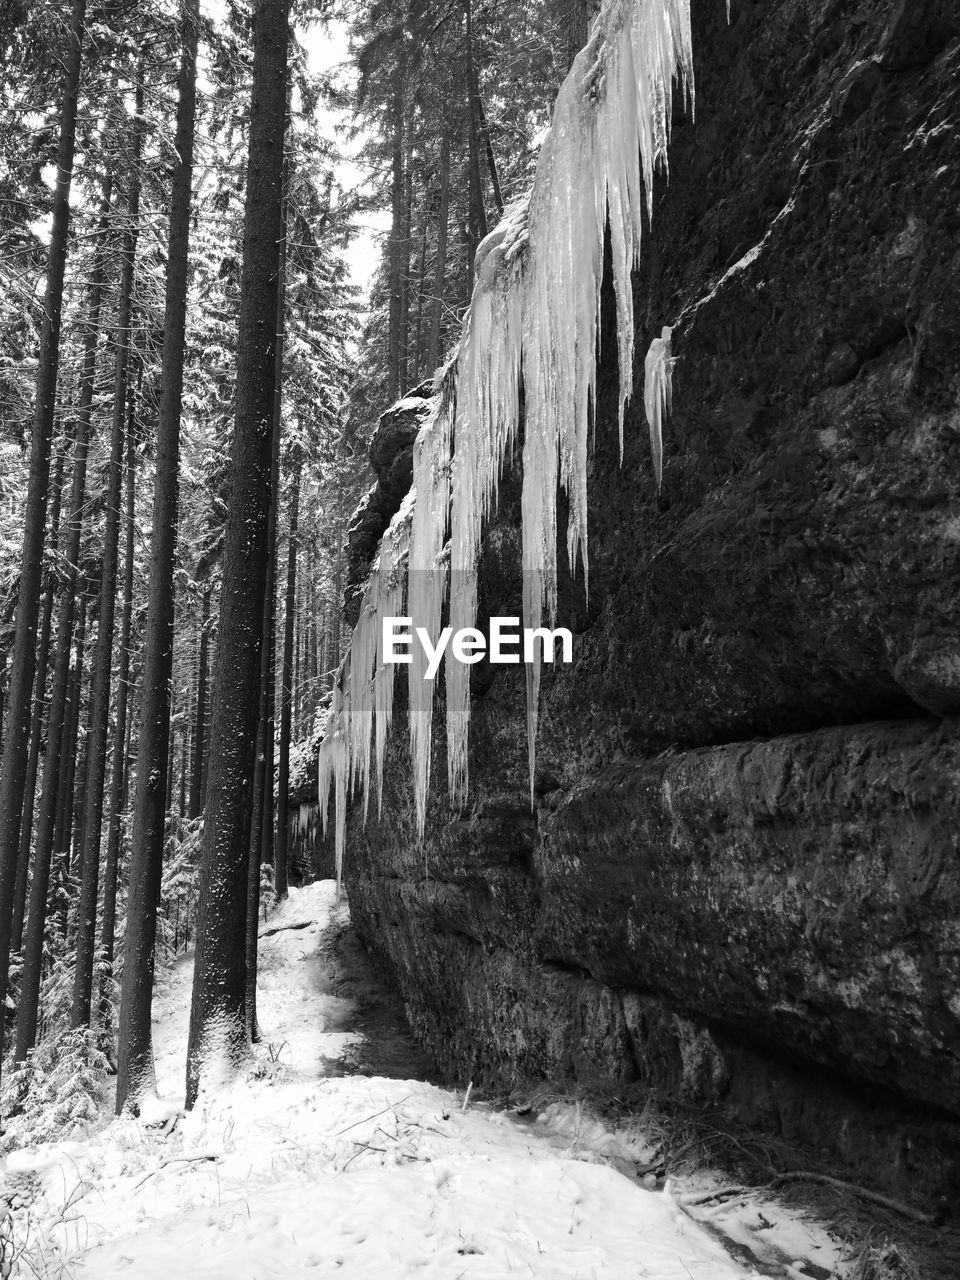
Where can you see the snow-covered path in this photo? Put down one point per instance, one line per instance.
(292, 1171)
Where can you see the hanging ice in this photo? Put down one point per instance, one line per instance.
(534, 320)
(657, 394)
(362, 700)
(427, 581)
(488, 409)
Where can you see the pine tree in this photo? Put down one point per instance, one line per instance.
(218, 1009)
(103, 660)
(16, 730)
(135, 1057)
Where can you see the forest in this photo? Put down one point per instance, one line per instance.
(320, 317)
(172, 189)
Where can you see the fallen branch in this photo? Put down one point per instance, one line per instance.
(821, 1179)
(660, 1162)
(361, 1147)
(284, 928)
(886, 1202)
(383, 1112)
(175, 1160)
(721, 1193)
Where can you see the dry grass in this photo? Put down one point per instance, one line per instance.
(886, 1260)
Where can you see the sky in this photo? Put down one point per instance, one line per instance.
(326, 45)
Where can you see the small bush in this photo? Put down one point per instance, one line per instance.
(59, 1091)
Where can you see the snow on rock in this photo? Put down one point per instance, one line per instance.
(534, 316)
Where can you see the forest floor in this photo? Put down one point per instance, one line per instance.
(306, 1166)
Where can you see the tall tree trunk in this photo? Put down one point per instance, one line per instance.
(337, 628)
(324, 645)
(297, 663)
(261, 827)
(417, 358)
(15, 738)
(70, 831)
(440, 269)
(54, 813)
(578, 15)
(395, 250)
(476, 217)
(200, 723)
(281, 880)
(185, 755)
(488, 148)
(65, 689)
(89, 852)
(69, 745)
(171, 753)
(404, 250)
(218, 1010)
(36, 728)
(111, 866)
(135, 1073)
(312, 665)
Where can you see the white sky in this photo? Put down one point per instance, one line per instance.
(326, 46)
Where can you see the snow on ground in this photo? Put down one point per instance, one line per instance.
(294, 1171)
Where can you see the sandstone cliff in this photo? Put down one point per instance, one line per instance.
(740, 881)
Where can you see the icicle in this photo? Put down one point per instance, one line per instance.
(535, 311)
(390, 592)
(333, 765)
(657, 394)
(488, 411)
(427, 576)
(363, 655)
(610, 130)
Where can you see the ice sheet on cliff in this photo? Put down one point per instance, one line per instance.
(534, 319)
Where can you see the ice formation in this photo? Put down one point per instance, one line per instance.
(658, 394)
(427, 578)
(533, 321)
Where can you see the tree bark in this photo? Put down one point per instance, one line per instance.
(324, 659)
(68, 745)
(404, 254)
(417, 359)
(135, 1073)
(111, 866)
(200, 723)
(15, 738)
(297, 663)
(218, 1010)
(89, 852)
(488, 148)
(71, 830)
(281, 869)
(395, 259)
(579, 13)
(476, 217)
(28, 1008)
(63, 722)
(313, 670)
(440, 269)
(261, 828)
(36, 728)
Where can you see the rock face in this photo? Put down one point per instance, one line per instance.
(739, 882)
(391, 456)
